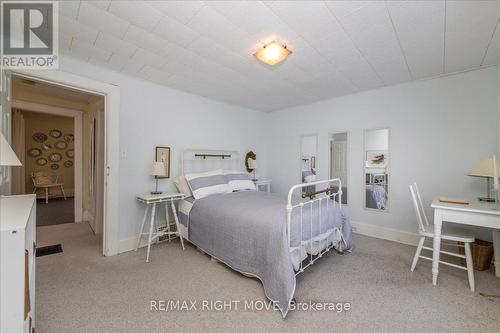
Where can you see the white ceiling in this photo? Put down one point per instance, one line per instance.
(339, 47)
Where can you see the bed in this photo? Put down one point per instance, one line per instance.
(266, 235)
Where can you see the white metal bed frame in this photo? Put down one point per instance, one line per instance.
(329, 195)
(194, 161)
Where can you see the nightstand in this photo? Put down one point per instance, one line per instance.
(150, 200)
(263, 185)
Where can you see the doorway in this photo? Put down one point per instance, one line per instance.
(59, 133)
(111, 94)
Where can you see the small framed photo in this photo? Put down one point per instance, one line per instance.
(162, 154)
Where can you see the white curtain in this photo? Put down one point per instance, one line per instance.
(19, 147)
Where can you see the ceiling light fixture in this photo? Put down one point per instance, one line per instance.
(272, 53)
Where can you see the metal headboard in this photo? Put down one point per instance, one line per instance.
(202, 160)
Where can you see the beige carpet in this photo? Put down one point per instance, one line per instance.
(57, 211)
(81, 291)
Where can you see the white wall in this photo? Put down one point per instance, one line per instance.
(377, 140)
(439, 128)
(153, 115)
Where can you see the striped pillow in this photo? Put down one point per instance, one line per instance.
(239, 181)
(207, 183)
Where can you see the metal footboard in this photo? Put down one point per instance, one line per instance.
(333, 192)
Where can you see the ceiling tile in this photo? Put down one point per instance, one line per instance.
(113, 44)
(101, 4)
(149, 58)
(309, 19)
(339, 47)
(493, 55)
(369, 26)
(469, 27)
(211, 24)
(144, 39)
(420, 29)
(98, 19)
(182, 11)
(256, 19)
(174, 31)
(69, 9)
(77, 30)
(136, 12)
(87, 50)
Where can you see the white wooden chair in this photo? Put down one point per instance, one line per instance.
(46, 181)
(426, 230)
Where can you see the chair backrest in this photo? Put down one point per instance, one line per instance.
(422, 220)
(43, 178)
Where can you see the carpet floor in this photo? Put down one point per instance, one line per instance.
(57, 211)
(81, 291)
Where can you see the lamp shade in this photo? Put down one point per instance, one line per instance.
(159, 169)
(484, 168)
(7, 155)
(252, 164)
(272, 53)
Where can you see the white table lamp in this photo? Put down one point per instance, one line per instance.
(252, 164)
(486, 168)
(158, 170)
(7, 156)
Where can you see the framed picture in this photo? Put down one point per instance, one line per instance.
(163, 155)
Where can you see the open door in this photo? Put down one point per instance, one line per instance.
(5, 105)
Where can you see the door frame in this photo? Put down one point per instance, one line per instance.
(78, 130)
(111, 95)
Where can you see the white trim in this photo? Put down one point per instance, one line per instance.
(399, 236)
(78, 126)
(129, 244)
(112, 142)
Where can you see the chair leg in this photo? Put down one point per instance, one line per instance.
(470, 265)
(63, 193)
(46, 195)
(417, 253)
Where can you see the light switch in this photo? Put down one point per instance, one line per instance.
(123, 154)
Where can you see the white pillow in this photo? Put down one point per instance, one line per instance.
(239, 181)
(207, 183)
(182, 186)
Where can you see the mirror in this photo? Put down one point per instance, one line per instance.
(339, 160)
(376, 169)
(308, 161)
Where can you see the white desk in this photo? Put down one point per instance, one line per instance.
(152, 200)
(481, 214)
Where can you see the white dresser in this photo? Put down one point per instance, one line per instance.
(17, 263)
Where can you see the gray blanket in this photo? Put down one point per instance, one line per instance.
(247, 231)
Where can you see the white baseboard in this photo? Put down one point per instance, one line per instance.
(394, 235)
(129, 244)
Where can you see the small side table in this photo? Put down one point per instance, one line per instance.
(263, 185)
(151, 200)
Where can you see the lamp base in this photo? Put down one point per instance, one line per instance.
(156, 192)
(487, 199)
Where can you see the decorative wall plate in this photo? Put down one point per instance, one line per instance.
(70, 153)
(46, 146)
(39, 137)
(34, 152)
(60, 145)
(68, 164)
(55, 157)
(55, 133)
(69, 138)
(41, 161)
(54, 166)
